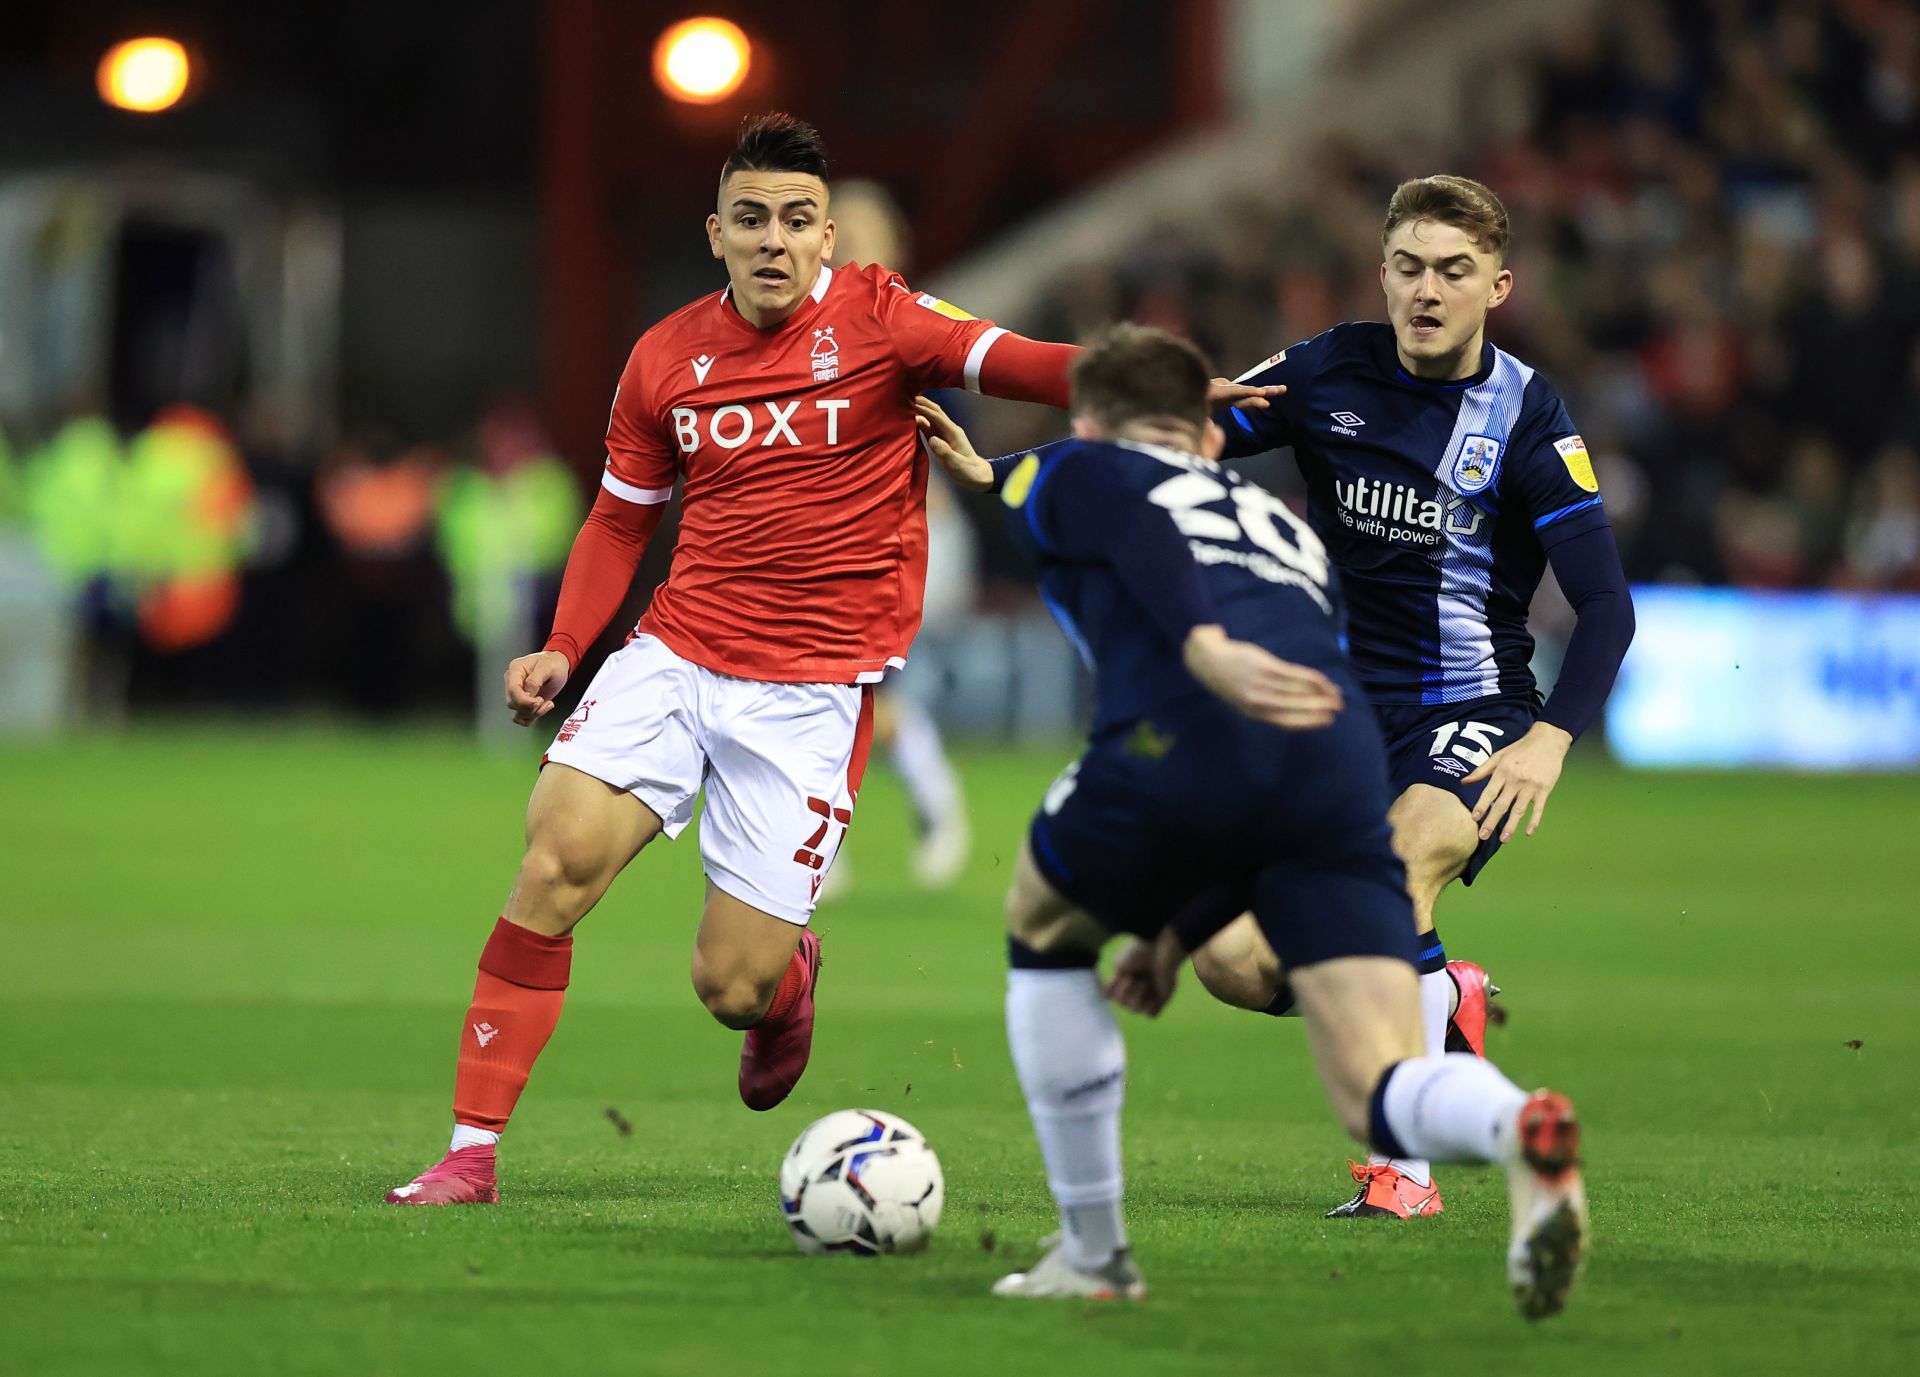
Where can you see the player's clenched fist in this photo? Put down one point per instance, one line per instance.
(1145, 974)
(1253, 680)
(532, 682)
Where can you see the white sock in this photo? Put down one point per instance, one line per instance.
(1072, 1065)
(1454, 1108)
(1437, 996)
(921, 760)
(465, 1136)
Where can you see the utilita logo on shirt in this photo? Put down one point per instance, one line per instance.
(1399, 515)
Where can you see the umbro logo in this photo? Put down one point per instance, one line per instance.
(485, 1032)
(700, 367)
(1345, 421)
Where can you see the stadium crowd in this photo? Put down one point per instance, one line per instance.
(204, 565)
(1716, 221)
(1716, 215)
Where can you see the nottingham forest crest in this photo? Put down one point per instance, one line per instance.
(826, 355)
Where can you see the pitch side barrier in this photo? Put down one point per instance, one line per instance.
(1725, 678)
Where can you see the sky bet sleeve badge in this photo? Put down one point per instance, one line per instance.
(942, 308)
(1473, 466)
(1573, 453)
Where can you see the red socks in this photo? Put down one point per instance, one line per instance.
(516, 1005)
(792, 984)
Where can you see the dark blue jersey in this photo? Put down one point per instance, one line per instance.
(1438, 503)
(1137, 544)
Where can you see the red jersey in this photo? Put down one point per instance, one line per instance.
(802, 552)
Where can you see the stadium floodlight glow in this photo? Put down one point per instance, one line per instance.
(702, 61)
(143, 74)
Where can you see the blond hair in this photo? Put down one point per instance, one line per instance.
(1465, 204)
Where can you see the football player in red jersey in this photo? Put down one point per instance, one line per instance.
(782, 407)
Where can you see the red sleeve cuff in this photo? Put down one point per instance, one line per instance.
(564, 644)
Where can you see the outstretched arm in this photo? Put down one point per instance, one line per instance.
(1019, 369)
(949, 444)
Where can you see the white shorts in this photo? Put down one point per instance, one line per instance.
(781, 764)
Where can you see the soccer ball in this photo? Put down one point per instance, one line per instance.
(863, 1182)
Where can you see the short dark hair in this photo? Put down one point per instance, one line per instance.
(777, 142)
(1135, 372)
(1467, 205)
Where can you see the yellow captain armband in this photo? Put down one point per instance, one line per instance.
(1020, 482)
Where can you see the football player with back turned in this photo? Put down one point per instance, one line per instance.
(1234, 767)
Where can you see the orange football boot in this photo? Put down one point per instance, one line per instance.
(1467, 1029)
(1386, 1193)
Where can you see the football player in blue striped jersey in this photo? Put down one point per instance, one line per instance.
(1444, 476)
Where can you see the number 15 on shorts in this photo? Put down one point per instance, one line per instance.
(1470, 741)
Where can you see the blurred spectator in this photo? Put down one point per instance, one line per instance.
(375, 497)
(1883, 540)
(506, 525)
(1716, 215)
(871, 229)
(184, 528)
(11, 500)
(71, 492)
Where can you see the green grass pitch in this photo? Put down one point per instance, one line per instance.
(233, 967)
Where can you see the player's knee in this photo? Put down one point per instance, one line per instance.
(1050, 941)
(1231, 981)
(1236, 971)
(1435, 837)
(563, 863)
(1026, 922)
(734, 999)
(555, 885)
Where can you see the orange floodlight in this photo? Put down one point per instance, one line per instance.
(144, 74)
(702, 61)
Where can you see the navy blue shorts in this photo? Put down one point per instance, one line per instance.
(1442, 743)
(1200, 811)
